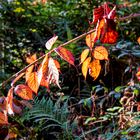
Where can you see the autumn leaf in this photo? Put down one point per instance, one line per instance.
(17, 78)
(138, 74)
(98, 14)
(94, 68)
(44, 82)
(91, 39)
(31, 58)
(24, 92)
(85, 66)
(43, 68)
(138, 40)
(84, 55)
(32, 82)
(9, 102)
(57, 64)
(65, 54)
(3, 118)
(53, 74)
(50, 42)
(100, 53)
(106, 31)
(29, 70)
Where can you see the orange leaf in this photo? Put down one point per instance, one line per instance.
(29, 70)
(90, 39)
(138, 40)
(17, 78)
(32, 82)
(57, 64)
(65, 54)
(53, 74)
(44, 82)
(94, 69)
(31, 59)
(3, 119)
(84, 55)
(9, 101)
(43, 68)
(85, 66)
(100, 53)
(50, 42)
(24, 92)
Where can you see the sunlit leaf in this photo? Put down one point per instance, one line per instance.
(29, 70)
(31, 59)
(3, 118)
(32, 82)
(17, 78)
(84, 55)
(91, 39)
(65, 54)
(24, 92)
(57, 64)
(85, 66)
(9, 102)
(138, 40)
(94, 69)
(43, 68)
(50, 42)
(53, 74)
(100, 53)
(44, 82)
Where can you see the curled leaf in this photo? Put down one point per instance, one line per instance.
(100, 53)
(94, 69)
(65, 54)
(24, 92)
(84, 55)
(85, 66)
(50, 42)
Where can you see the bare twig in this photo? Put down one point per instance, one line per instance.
(129, 17)
(40, 58)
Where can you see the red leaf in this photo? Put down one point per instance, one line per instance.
(85, 66)
(65, 54)
(53, 74)
(9, 102)
(32, 82)
(100, 53)
(3, 119)
(106, 31)
(24, 92)
(50, 42)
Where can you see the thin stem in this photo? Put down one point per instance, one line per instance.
(40, 58)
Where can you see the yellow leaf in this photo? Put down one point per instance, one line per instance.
(100, 53)
(84, 55)
(94, 69)
(85, 66)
